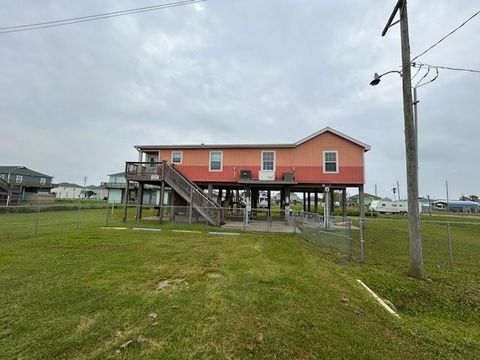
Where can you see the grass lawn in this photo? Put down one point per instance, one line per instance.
(92, 293)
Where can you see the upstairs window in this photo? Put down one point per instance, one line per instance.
(2, 176)
(177, 157)
(43, 181)
(216, 160)
(19, 179)
(268, 160)
(330, 161)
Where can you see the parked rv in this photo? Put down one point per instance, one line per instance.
(389, 207)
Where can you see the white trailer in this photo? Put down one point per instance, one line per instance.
(391, 207)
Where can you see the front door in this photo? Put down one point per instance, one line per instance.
(152, 160)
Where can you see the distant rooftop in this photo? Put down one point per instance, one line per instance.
(21, 170)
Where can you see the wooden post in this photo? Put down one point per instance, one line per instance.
(162, 197)
(304, 202)
(125, 201)
(172, 205)
(220, 195)
(190, 206)
(332, 202)
(139, 201)
(344, 202)
(361, 202)
(315, 207)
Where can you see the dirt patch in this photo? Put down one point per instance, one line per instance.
(171, 284)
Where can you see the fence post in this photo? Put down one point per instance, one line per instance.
(362, 241)
(449, 239)
(36, 220)
(317, 227)
(107, 215)
(348, 238)
(78, 217)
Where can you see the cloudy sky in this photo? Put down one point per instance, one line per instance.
(75, 99)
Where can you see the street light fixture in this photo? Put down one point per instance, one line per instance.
(376, 77)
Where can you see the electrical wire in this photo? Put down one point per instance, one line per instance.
(101, 16)
(428, 82)
(445, 67)
(446, 36)
(423, 77)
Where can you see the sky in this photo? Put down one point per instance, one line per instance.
(76, 98)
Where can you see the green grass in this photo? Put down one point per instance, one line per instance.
(81, 294)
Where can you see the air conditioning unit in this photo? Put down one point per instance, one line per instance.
(245, 174)
(288, 176)
(266, 175)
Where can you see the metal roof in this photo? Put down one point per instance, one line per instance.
(255, 146)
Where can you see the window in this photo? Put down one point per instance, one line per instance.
(268, 160)
(216, 160)
(19, 179)
(2, 176)
(330, 161)
(177, 157)
(43, 181)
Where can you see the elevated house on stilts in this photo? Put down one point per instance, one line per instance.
(325, 162)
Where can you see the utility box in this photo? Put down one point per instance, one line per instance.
(266, 175)
(288, 176)
(245, 174)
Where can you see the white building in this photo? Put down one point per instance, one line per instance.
(67, 191)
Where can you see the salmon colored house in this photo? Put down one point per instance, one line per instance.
(326, 160)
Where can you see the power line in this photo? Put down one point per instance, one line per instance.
(446, 36)
(444, 67)
(101, 16)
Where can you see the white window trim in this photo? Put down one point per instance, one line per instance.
(181, 157)
(210, 161)
(43, 181)
(2, 176)
(17, 177)
(274, 159)
(324, 167)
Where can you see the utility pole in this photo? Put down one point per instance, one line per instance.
(398, 191)
(416, 267)
(375, 190)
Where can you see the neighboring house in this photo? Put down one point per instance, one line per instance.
(99, 192)
(324, 162)
(367, 199)
(67, 191)
(70, 191)
(26, 183)
(116, 190)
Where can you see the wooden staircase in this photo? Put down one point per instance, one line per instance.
(9, 194)
(187, 189)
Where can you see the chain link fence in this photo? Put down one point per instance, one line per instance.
(42, 219)
(449, 243)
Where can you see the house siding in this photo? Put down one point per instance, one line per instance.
(304, 160)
